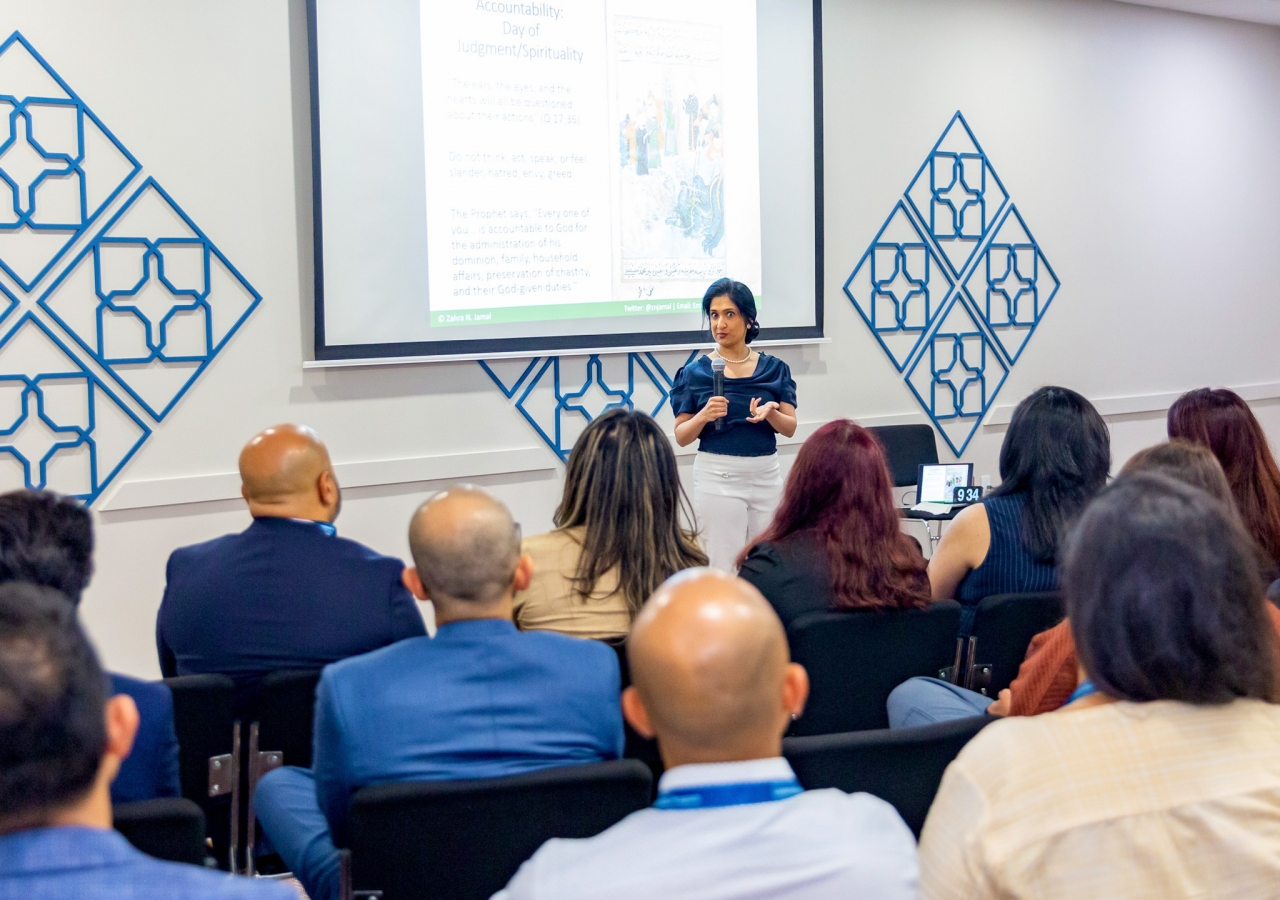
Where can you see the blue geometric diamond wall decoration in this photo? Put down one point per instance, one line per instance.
(953, 285)
(148, 299)
(151, 299)
(560, 396)
(59, 165)
(62, 428)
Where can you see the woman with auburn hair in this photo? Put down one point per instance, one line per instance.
(618, 532)
(835, 542)
(1223, 422)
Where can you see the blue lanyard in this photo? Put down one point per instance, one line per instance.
(1086, 688)
(328, 529)
(728, 794)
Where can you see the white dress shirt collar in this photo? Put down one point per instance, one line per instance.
(745, 772)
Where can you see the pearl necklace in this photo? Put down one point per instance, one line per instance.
(735, 361)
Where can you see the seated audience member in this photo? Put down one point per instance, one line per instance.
(1223, 422)
(287, 592)
(479, 700)
(712, 680)
(618, 532)
(47, 539)
(61, 743)
(1050, 672)
(1055, 456)
(1161, 778)
(836, 541)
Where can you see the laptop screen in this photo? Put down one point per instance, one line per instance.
(936, 483)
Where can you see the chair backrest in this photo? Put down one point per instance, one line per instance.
(906, 447)
(284, 711)
(1004, 626)
(204, 721)
(637, 746)
(466, 839)
(169, 828)
(203, 715)
(902, 766)
(855, 659)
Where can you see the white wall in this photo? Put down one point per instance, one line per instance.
(1138, 143)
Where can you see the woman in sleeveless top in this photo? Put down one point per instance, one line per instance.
(1055, 457)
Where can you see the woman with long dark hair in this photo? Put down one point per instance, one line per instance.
(618, 532)
(1223, 422)
(835, 542)
(736, 477)
(1055, 457)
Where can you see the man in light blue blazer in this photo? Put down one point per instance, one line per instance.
(480, 700)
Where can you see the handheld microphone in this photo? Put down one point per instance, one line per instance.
(717, 375)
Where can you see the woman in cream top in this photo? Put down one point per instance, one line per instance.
(618, 532)
(1161, 775)
(550, 602)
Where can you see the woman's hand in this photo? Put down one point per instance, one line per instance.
(1002, 705)
(690, 425)
(760, 411)
(716, 408)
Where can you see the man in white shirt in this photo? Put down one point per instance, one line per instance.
(713, 681)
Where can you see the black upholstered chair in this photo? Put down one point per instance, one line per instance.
(903, 766)
(209, 756)
(637, 746)
(279, 735)
(169, 828)
(1002, 632)
(855, 659)
(464, 840)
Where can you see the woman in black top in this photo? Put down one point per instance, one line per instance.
(836, 543)
(736, 479)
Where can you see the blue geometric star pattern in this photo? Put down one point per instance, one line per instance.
(146, 301)
(59, 165)
(545, 393)
(151, 299)
(61, 427)
(953, 285)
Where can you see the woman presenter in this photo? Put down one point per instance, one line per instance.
(736, 480)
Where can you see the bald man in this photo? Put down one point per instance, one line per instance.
(287, 592)
(713, 681)
(479, 700)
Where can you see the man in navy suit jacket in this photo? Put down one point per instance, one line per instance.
(479, 700)
(47, 539)
(287, 592)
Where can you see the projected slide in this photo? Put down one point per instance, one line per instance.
(587, 159)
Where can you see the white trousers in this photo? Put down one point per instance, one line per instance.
(734, 498)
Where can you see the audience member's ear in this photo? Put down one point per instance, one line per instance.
(635, 713)
(122, 726)
(795, 689)
(327, 489)
(524, 573)
(409, 577)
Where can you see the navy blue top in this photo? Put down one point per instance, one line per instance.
(1008, 567)
(479, 700)
(282, 594)
(771, 380)
(95, 864)
(151, 768)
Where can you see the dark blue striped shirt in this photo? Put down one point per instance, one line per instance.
(1008, 568)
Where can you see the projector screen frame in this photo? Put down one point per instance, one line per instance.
(415, 352)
